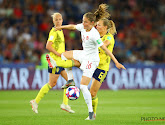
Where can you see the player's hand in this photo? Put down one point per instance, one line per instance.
(58, 54)
(120, 66)
(58, 28)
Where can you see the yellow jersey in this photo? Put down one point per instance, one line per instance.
(57, 37)
(104, 58)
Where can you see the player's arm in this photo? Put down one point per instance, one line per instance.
(69, 27)
(107, 42)
(118, 65)
(50, 48)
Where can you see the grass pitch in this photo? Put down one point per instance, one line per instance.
(123, 107)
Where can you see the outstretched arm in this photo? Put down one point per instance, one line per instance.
(69, 27)
(118, 65)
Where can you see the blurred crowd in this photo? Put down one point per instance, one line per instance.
(25, 25)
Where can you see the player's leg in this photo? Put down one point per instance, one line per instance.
(88, 68)
(70, 81)
(61, 63)
(87, 95)
(93, 90)
(43, 91)
(68, 56)
(64, 106)
(53, 76)
(98, 77)
(65, 56)
(67, 61)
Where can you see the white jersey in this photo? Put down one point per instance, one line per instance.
(90, 41)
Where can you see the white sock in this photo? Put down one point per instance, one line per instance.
(87, 97)
(68, 70)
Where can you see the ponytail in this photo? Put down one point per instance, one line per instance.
(100, 13)
(112, 29)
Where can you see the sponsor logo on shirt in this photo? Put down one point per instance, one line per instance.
(108, 37)
(51, 37)
(99, 41)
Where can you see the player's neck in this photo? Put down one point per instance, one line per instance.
(87, 30)
(103, 33)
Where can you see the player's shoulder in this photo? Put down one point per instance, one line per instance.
(80, 27)
(109, 36)
(52, 30)
(95, 32)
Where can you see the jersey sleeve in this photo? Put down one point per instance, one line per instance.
(52, 36)
(110, 38)
(79, 27)
(97, 39)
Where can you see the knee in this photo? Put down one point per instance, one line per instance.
(76, 63)
(93, 93)
(52, 84)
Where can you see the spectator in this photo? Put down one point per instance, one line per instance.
(140, 26)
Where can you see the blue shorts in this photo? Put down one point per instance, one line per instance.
(56, 70)
(100, 75)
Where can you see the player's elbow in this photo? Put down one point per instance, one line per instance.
(47, 47)
(103, 47)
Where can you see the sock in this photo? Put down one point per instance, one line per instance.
(44, 90)
(65, 63)
(69, 73)
(87, 97)
(68, 70)
(94, 103)
(65, 99)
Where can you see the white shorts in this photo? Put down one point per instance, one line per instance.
(87, 66)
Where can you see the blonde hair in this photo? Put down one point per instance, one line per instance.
(54, 15)
(112, 29)
(100, 13)
(110, 26)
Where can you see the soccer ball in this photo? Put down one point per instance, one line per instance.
(72, 93)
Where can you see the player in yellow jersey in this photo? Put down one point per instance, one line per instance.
(56, 46)
(107, 30)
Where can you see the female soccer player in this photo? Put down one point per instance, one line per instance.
(107, 30)
(56, 46)
(88, 57)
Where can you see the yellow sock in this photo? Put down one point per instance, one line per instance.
(65, 63)
(44, 90)
(94, 103)
(65, 99)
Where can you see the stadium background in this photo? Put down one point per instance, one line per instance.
(139, 45)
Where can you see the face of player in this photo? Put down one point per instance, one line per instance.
(100, 27)
(87, 24)
(58, 20)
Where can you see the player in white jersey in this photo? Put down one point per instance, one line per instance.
(90, 42)
(89, 56)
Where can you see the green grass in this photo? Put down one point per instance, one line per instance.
(123, 107)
